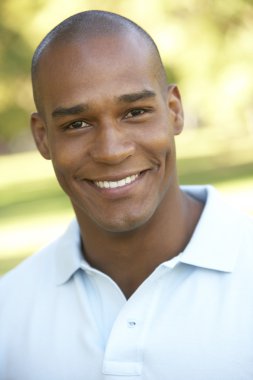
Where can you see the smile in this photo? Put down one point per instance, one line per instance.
(114, 184)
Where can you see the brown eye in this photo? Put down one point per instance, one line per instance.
(78, 125)
(134, 113)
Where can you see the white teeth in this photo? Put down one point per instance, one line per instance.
(115, 184)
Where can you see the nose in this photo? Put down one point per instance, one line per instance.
(112, 145)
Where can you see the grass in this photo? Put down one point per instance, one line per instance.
(33, 209)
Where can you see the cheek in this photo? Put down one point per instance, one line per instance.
(65, 153)
(161, 148)
(65, 160)
(158, 140)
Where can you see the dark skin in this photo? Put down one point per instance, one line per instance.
(131, 258)
(108, 118)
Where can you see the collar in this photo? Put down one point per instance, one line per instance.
(216, 241)
(67, 254)
(214, 245)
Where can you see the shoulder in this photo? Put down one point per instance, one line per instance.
(27, 273)
(35, 272)
(217, 209)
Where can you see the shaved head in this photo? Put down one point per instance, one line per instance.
(88, 25)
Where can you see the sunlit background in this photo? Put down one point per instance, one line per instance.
(207, 48)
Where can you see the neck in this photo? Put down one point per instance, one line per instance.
(130, 257)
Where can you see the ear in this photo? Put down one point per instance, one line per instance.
(175, 109)
(39, 132)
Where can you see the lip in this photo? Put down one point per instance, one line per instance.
(120, 191)
(116, 177)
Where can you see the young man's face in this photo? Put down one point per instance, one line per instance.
(108, 127)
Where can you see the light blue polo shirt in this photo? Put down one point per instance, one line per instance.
(191, 319)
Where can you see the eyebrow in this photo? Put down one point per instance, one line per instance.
(75, 110)
(133, 97)
(80, 108)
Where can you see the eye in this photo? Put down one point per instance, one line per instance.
(134, 113)
(78, 125)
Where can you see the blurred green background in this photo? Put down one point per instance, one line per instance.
(207, 47)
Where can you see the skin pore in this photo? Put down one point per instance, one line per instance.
(105, 114)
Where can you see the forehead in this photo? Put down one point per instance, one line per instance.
(97, 66)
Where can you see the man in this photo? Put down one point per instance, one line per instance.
(151, 281)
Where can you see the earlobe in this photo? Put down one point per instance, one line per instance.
(175, 109)
(40, 135)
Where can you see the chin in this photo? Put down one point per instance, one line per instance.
(125, 224)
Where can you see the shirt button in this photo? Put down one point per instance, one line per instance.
(131, 324)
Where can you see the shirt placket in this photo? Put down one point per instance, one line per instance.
(125, 346)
